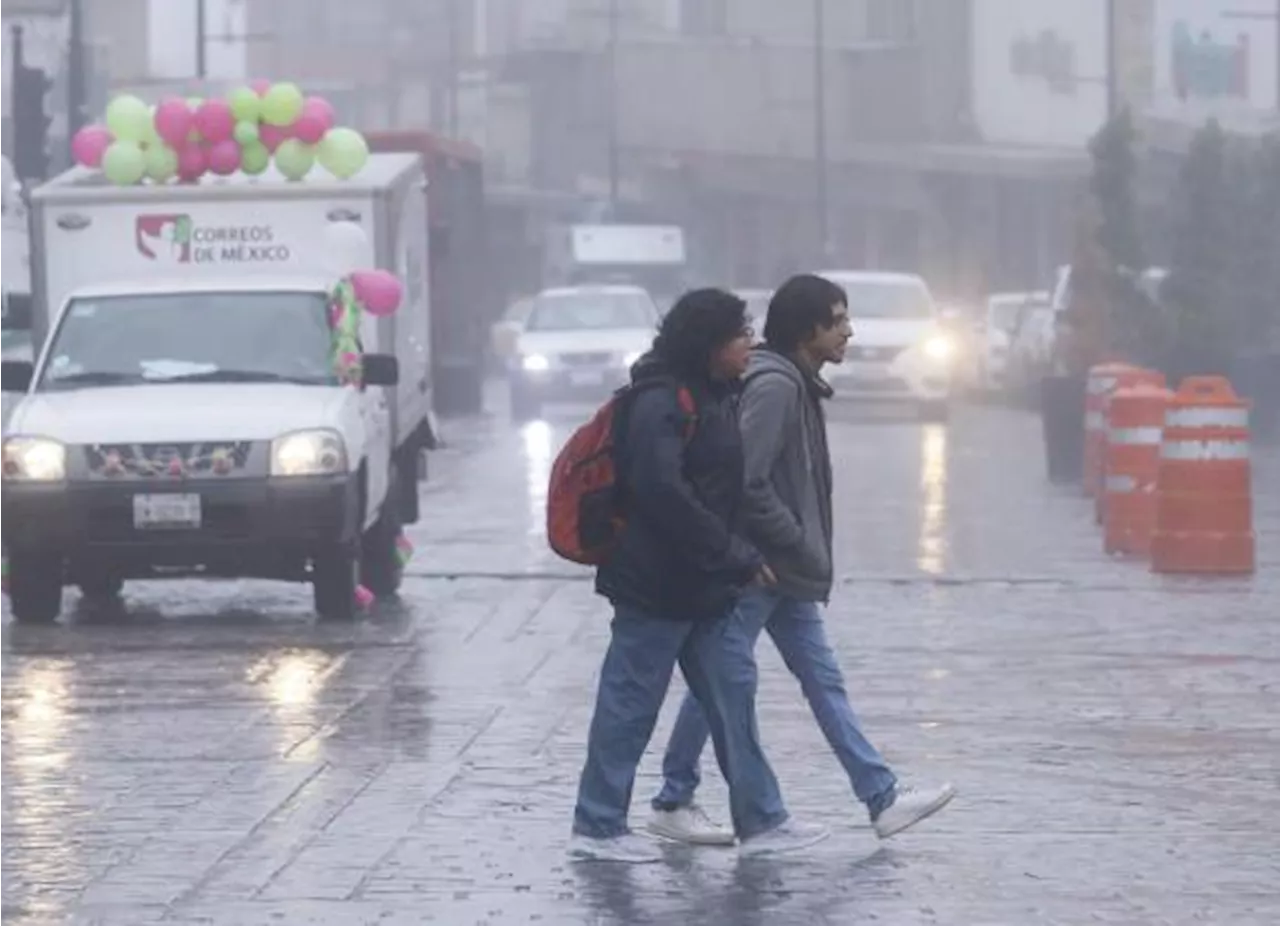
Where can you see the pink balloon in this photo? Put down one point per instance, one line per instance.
(273, 136)
(90, 144)
(224, 158)
(317, 117)
(215, 121)
(322, 108)
(192, 163)
(379, 291)
(260, 86)
(174, 121)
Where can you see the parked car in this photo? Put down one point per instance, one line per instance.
(901, 350)
(579, 342)
(999, 324)
(1031, 349)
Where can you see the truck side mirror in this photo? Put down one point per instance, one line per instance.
(15, 375)
(381, 370)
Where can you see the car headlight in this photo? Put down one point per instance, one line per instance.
(308, 453)
(34, 459)
(939, 347)
(535, 363)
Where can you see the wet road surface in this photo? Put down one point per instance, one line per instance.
(213, 755)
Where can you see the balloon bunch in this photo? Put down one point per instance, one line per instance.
(377, 292)
(245, 131)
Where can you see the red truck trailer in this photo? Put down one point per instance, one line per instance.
(460, 301)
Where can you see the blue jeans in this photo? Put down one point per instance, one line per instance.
(798, 632)
(720, 667)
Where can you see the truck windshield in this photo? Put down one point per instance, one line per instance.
(191, 337)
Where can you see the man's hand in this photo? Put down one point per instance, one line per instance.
(765, 577)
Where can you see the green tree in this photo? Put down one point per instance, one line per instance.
(1202, 336)
(1132, 322)
(1253, 270)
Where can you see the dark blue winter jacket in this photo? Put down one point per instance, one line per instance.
(680, 555)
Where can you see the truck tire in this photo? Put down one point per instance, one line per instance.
(335, 574)
(380, 568)
(35, 588)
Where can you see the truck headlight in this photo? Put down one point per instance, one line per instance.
(535, 363)
(939, 347)
(34, 459)
(308, 453)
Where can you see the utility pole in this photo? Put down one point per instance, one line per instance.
(820, 128)
(77, 89)
(202, 39)
(1113, 67)
(454, 41)
(612, 105)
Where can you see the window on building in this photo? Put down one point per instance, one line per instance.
(704, 17)
(891, 20)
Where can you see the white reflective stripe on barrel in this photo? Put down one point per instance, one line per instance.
(1207, 417)
(1093, 421)
(1205, 450)
(1121, 483)
(1136, 436)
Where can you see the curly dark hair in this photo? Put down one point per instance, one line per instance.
(701, 321)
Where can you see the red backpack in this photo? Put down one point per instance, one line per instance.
(584, 514)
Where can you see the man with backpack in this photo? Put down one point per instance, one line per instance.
(789, 520)
(663, 485)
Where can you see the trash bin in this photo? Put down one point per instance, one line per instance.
(1062, 401)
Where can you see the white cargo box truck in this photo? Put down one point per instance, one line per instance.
(183, 414)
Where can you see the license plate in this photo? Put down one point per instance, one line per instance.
(586, 378)
(169, 511)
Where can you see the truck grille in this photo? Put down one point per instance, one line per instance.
(595, 359)
(160, 461)
(872, 353)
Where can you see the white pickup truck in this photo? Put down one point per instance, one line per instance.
(184, 416)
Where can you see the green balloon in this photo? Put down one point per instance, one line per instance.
(127, 118)
(282, 104)
(246, 105)
(246, 132)
(254, 158)
(161, 163)
(152, 137)
(294, 159)
(124, 164)
(343, 152)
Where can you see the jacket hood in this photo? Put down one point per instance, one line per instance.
(767, 359)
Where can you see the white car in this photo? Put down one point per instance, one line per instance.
(1004, 311)
(900, 350)
(579, 342)
(757, 301)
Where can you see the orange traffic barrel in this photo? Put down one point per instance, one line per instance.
(1103, 378)
(1124, 378)
(1135, 433)
(1204, 483)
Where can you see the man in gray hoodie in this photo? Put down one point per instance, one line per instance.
(788, 518)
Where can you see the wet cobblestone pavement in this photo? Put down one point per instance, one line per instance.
(213, 755)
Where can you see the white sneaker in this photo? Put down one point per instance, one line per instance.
(690, 825)
(789, 837)
(910, 806)
(629, 847)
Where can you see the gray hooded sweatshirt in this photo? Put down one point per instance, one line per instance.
(788, 473)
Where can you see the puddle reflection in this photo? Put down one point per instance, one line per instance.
(931, 547)
(292, 681)
(538, 449)
(41, 796)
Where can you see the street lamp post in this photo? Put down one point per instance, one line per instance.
(820, 129)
